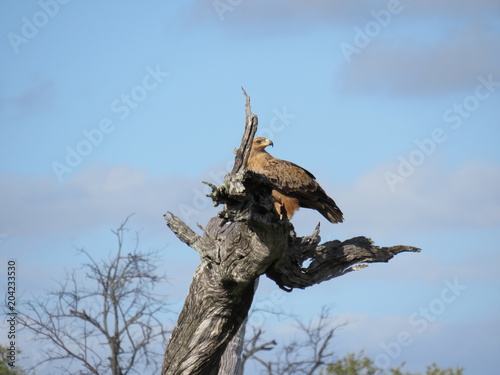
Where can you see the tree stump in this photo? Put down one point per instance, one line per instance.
(246, 240)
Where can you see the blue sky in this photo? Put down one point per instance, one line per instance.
(108, 109)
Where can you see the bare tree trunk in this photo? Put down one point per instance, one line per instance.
(244, 241)
(232, 361)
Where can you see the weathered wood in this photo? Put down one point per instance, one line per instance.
(221, 292)
(243, 152)
(232, 358)
(328, 260)
(244, 241)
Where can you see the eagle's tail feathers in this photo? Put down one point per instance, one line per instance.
(331, 211)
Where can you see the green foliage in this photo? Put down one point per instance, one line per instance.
(435, 370)
(353, 364)
(5, 369)
(360, 364)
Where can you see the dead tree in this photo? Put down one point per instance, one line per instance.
(106, 322)
(246, 240)
(301, 356)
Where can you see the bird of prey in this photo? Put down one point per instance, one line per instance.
(293, 186)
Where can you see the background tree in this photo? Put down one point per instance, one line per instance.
(311, 353)
(5, 369)
(106, 322)
(307, 354)
(360, 364)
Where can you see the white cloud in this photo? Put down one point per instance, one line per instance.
(429, 199)
(98, 195)
(38, 96)
(267, 13)
(412, 65)
(463, 8)
(262, 11)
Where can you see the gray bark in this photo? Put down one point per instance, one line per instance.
(244, 241)
(232, 359)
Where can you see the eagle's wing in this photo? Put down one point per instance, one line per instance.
(294, 181)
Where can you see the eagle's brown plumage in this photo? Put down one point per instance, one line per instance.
(294, 186)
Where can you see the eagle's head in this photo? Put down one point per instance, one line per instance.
(260, 143)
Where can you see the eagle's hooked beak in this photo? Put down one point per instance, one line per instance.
(270, 143)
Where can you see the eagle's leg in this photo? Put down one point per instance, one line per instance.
(279, 205)
(285, 206)
(280, 209)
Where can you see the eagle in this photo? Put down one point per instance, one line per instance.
(293, 186)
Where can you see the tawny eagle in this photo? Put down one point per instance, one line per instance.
(293, 186)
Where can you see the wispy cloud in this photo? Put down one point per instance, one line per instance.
(413, 66)
(433, 199)
(98, 195)
(412, 47)
(263, 14)
(452, 8)
(39, 95)
(267, 15)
